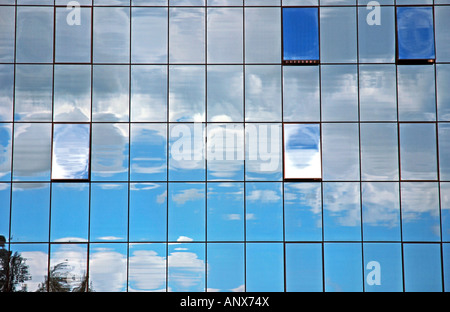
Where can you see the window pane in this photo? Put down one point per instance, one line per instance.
(343, 272)
(303, 211)
(262, 2)
(301, 93)
(187, 2)
(7, 25)
(300, 34)
(186, 212)
(186, 35)
(444, 151)
(299, 2)
(30, 208)
(148, 212)
(226, 267)
(149, 2)
(418, 151)
(383, 267)
(446, 265)
(304, 267)
(225, 212)
(224, 2)
(111, 2)
(225, 35)
(264, 211)
(6, 92)
(111, 35)
(302, 151)
(5, 152)
(73, 35)
(442, 91)
(108, 267)
(71, 151)
(72, 93)
(35, 256)
(341, 211)
(442, 39)
(148, 152)
(70, 212)
(34, 42)
(5, 206)
(149, 35)
(109, 201)
(379, 151)
(186, 267)
(445, 211)
(420, 211)
(147, 267)
(262, 35)
(33, 96)
(422, 266)
(415, 33)
(381, 211)
(267, 275)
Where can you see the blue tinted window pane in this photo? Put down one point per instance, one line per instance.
(5, 151)
(304, 267)
(445, 212)
(383, 267)
(442, 91)
(442, 38)
(5, 192)
(147, 267)
(7, 23)
(108, 267)
(36, 258)
(264, 275)
(300, 34)
(6, 92)
(446, 259)
(186, 267)
(415, 33)
(444, 151)
(422, 267)
(225, 267)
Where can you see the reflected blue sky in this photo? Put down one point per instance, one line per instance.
(304, 267)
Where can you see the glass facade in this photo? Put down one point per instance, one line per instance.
(224, 145)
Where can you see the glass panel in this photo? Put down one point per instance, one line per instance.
(34, 41)
(186, 152)
(300, 2)
(338, 35)
(340, 157)
(186, 212)
(341, 211)
(379, 151)
(73, 35)
(5, 152)
(446, 265)
(25, 2)
(187, 2)
(187, 93)
(263, 152)
(7, 25)
(226, 267)
(32, 152)
(111, 2)
(34, 263)
(225, 212)
(109, 152)
(420, 211)
(30, 208)
(70, 212)
(339, 92)
(149, 93)
(377, 92)
(445, 211)
(418, 151)
(262, 93)
(186, 267)
(72, 93)
(262, 35)
(376, 34)
(111, 35)
(343, 272)
(416, 93)
(149, 2)
(301, 93)
(6, 92)
(383, 267)
(300, 34)
(422, 267)
(108, 267)
(262, 2)
(5, 207)
(224, 2)
(33, 96)
(148, 154)
(68, 268)
(442, 91)
(186, 35)
(149, 35)
(303, 211)
(225, 35)
(304, 267)
(225, 93)
(442, 24)
(148, 212)
(267, 275)
(109, 201)
(381, 211)
(147, 267)
(264, 211)
(444, 151)
(302, 151)
(71, 151)
(110, 100)
(66, 2)
(415, 33)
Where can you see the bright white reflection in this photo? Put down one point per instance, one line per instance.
(302, 151)
(70, 158)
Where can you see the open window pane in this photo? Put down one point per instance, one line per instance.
(70, 157)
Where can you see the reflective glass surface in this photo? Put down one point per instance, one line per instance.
(108, 267)
(442, 92)
(445, 210)
(304, 267)
(267, 275)
(186, 267)
(225, 267)
(36, 258)
(147, 267)
(6, 92)
(5, 151)
(5, 200)
(444, 151)
(442, 23)
(7, 31)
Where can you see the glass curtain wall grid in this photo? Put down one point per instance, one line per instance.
(225, 145)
